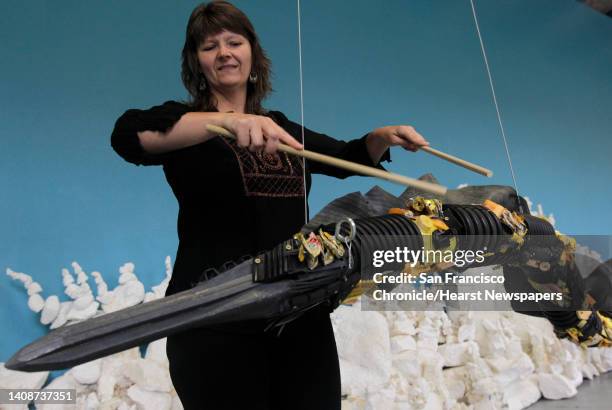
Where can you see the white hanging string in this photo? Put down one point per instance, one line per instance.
(299, 25)
(499, 119)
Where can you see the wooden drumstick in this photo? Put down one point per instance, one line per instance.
(348, 165)
(461, 162)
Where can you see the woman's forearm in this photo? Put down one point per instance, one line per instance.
(189, 130)
(253, 131)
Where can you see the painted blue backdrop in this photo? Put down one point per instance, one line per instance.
(70, 68)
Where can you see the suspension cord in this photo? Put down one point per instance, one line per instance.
(499, 119)
(299, 26)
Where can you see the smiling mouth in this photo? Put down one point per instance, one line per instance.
(226, 67)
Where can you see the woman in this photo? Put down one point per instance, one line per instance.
(237, 198)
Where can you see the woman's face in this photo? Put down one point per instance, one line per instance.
(225, 60)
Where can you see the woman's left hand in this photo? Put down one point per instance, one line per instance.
(403, 135)
(379, 140)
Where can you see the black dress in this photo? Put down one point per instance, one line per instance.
(232, 203)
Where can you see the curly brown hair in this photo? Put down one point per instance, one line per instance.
(210, 19)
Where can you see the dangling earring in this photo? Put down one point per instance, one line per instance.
(253, 78)
(202, 85)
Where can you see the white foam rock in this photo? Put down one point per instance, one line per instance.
(521, 394)
(458, 354)
(61, 318)
(148, 375)
(34, 288)
(65, 382)
(466, 332)
(36, 303)
(11, 379)
(364, 349)
(87, 373)
(556, 386)
(92, 402)
(149, 400)
(78, 314)
(50, 310)
(401, 343)
(176, 403)
(156, 351)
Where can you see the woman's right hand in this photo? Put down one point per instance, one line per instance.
(258, 132)
(253, 131)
